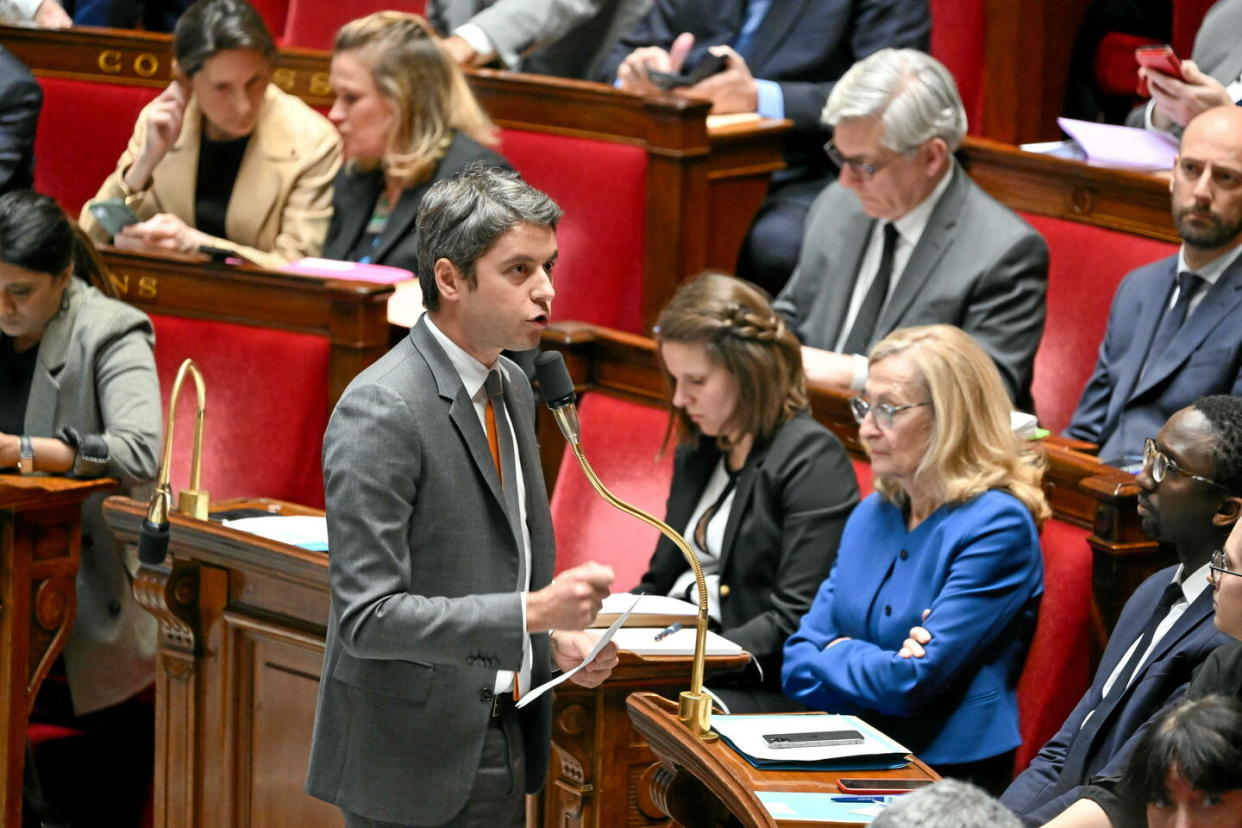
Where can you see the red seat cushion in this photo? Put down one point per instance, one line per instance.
(267, 407)
(862, 471)
(83, 129)
(602, 187)
(957, 40)
(622, 442)
(1116, 68)
(1058, 665)
(1086, 263)
(313, 23)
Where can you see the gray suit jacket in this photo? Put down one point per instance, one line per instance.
(977, 266)
(568, 38)
(96, 373)
(425, 607)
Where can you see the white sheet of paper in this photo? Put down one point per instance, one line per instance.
(599, 645)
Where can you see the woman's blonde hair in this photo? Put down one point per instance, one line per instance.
(428, 92)
(972, 447)
(735, 321)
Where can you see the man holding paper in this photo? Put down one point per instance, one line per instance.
(440, 538)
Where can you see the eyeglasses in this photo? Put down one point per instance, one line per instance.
(1219, 564)
(860, 168)
(883, 414)
(1160, 465)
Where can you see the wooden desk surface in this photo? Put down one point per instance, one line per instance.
(724, 774)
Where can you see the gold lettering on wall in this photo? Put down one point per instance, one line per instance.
(286, 79)
(319, 85)
(109, 61)
(146, 64)
(120, 281)
(148, 287)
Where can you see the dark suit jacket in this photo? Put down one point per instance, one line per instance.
(21, 100)
(1205, 357)
(804, 45)
(424, 566)
(1048, 786)
(357, 191)
(793, 496)
(977, 266)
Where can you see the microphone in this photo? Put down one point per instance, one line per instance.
(557, 389)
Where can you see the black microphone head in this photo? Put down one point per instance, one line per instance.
(555, 384)
(152, 542)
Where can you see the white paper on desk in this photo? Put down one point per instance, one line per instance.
(642, 640)
(306, 531)
(648, 605)
(599, 645)
(1122, 146)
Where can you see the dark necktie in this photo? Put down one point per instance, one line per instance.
(500, 441)
(1171, 322)
(1075, 771)
(863, 330)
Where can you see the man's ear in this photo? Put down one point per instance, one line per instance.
(1228, 512)
(938, 156)
(450, 281)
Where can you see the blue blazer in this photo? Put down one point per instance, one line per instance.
(1204, 358)
(977, 566)
(1049, 786)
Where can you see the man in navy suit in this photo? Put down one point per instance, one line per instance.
(1175, 332)
(782, 58)
(1190, 480)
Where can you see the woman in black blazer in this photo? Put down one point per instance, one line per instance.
(407, 119)
(760, 489)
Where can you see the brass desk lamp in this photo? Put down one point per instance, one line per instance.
(153, 539)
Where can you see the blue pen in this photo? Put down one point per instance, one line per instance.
(882, 800)
(667, 631)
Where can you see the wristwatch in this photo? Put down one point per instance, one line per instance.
(25, 457)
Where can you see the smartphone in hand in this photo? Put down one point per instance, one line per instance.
(1160, 59)
(709, 65)
(113, 215)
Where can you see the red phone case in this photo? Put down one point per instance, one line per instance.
(1160, 58)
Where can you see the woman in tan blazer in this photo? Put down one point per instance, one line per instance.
(222, 158)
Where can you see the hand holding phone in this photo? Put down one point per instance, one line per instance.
(705, 68)
(113, 215)
(1160, 59)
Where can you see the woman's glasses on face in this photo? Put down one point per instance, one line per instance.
(1219, 564)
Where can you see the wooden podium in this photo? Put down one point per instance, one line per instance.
(703, 784)
(40, 542)
(242, 624)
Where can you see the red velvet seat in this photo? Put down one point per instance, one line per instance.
(1086, 263)
(621, 440)
(959, 29)
(602, 187)
(267, 407)
(83, 129)
(313, 23)
(1058, 665)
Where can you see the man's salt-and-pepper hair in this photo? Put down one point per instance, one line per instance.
(946, 804)
(460, 218)
(910, 91)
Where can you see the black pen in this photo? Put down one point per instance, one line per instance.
(667, 631)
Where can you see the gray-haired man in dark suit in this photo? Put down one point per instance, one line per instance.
(440, 538)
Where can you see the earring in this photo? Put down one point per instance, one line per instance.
(64, 301)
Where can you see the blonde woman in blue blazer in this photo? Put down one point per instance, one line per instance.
(950, 541)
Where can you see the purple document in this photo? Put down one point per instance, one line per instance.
(1108, 145)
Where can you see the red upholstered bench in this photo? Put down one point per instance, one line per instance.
(267, 407)
(1086, 263)
(602, 187)
(83, 129)
(621, 440)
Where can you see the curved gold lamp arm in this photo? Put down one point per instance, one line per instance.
(193, 501)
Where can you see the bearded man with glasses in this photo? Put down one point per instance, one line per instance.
(1191, 478)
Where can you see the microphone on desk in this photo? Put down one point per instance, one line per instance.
(557, 389)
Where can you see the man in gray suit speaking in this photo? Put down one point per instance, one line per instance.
(440, 538)
(904, 237)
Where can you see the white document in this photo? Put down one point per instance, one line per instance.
(306, 531)
(599, 645)
(746, 733)
(642, 640)
(648, 605)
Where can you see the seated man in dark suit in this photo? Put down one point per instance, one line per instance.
(904, 237)
(782, 59)
(1174, 333)
(1190, 478)
(21, 100)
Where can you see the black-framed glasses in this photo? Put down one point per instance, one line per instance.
(865, 169)
(883, 413)
(1160, 464)
(1219, 564)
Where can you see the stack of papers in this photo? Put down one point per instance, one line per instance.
(642, 640)
(296, 530)
(1131, 148)
(744, 733)
(651, 611)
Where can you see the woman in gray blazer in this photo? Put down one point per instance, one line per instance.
(79, 396)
